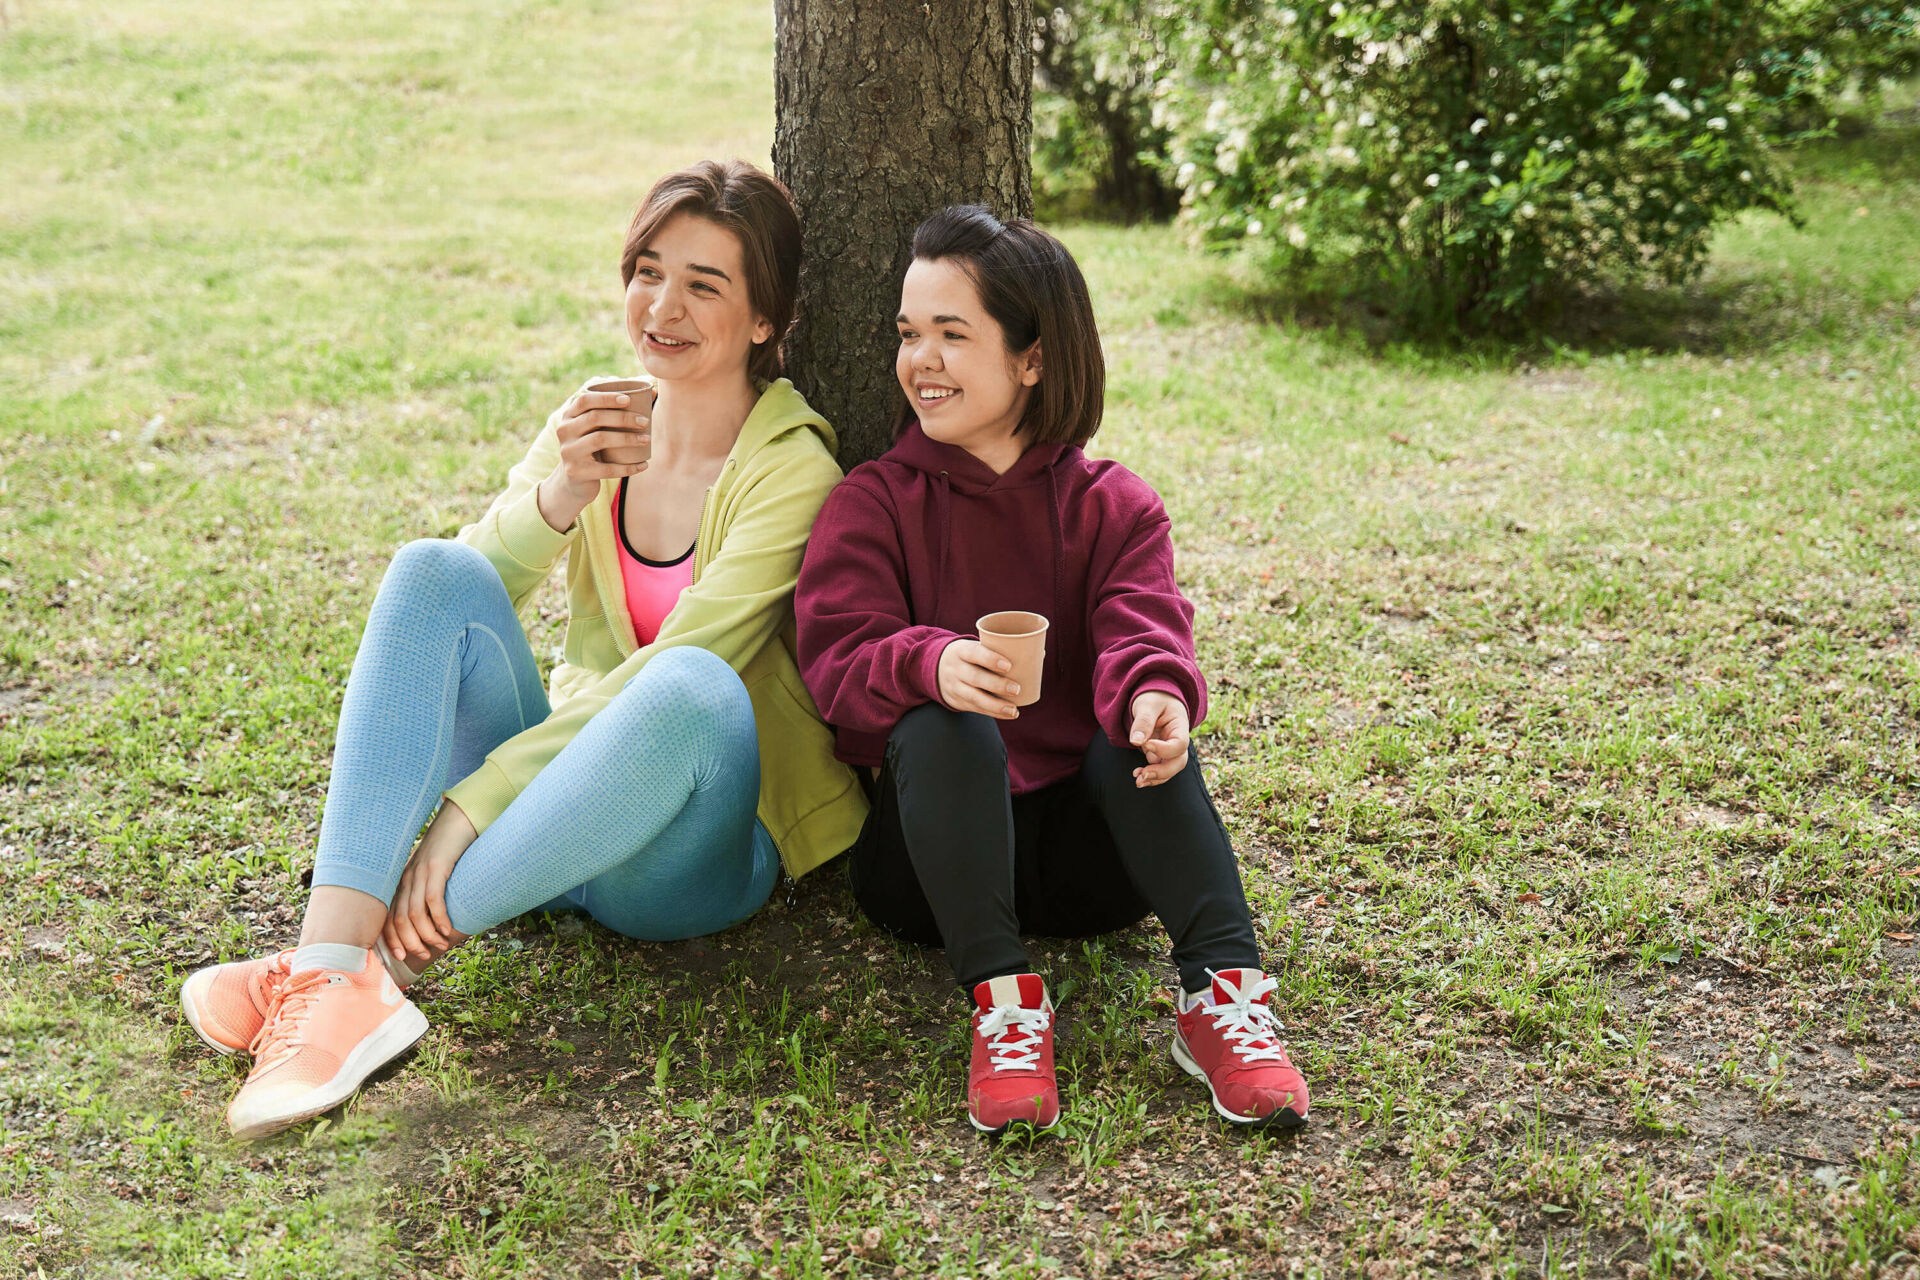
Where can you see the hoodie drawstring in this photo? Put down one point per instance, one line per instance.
(943, 510)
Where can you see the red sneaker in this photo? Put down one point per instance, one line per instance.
(1011, 1079)
(1230, 1039)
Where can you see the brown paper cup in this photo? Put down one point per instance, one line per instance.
(1021, 638)
(641, 392)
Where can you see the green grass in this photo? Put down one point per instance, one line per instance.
(1564, 714)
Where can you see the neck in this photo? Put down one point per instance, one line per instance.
(697, 422)
(998, 449)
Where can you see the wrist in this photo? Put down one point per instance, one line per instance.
(559, 505)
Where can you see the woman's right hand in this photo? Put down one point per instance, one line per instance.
(589, 422)
(974, 678)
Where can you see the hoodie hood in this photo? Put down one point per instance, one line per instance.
(965, 473)
(780, 409)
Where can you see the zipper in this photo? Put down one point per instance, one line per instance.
(703, 537)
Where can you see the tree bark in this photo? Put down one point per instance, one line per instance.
(888, 111)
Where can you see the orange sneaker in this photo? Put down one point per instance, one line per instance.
(324, 1034)
(226, 1004)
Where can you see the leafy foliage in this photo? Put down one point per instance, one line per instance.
(1470, 155)
(1094, 138)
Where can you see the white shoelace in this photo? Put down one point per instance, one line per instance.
(1013, 1035)
(1251, 1029)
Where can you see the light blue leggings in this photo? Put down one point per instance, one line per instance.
(645, 820)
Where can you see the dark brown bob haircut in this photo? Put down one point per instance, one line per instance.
(759, 210)
(1034, 291)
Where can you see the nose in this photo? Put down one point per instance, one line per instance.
(925, 356)
(668, 304)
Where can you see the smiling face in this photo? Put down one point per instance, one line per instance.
(965, 386)
(689, 313)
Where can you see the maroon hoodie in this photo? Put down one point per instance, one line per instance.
(913, 547)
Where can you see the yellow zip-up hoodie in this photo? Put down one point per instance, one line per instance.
(753, 528)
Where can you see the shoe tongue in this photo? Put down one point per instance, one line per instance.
(1243, 980)
(1026, 990)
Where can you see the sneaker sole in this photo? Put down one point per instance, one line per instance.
(391, 1039)
(1284, 1118)
(1011, 1125)
(193, 1018)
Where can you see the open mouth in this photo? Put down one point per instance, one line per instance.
(668, 343)
(934, 395)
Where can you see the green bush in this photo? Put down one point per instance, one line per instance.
(1096, 147)
(1472, 158)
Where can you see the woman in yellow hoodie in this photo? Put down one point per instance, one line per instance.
(680, 760)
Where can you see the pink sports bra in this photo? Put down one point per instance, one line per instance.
(653, 586)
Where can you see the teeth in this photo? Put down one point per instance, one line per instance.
(668, 342)
(934, 393)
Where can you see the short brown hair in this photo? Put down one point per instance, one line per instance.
(1034, 291)
(759, 210)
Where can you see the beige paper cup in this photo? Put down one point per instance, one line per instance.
(641, 392)
(1021, 638)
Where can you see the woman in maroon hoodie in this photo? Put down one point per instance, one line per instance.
(1075, 815)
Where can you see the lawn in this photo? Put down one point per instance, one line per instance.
(1564, 716)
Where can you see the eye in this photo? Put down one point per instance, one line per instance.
(907, 335)
(647, 273)
(701, 284)
(955, 337)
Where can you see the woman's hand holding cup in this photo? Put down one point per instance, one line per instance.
(974, 678)
(605, 433)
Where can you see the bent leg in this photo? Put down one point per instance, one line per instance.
(940, 848)
(443, 675)
(645, 819)
(1176, 852)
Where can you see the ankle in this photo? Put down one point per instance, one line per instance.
(341, 956)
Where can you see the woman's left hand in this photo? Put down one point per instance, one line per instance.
(1160, 731)
(417, 923)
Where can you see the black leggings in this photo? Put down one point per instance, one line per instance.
(949, 856)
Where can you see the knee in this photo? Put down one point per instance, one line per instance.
(937, 738)
(434, 566)
(1104, 760)
(697, 683)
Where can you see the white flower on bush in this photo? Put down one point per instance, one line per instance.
(1477, 126)
(1297, 236)
(1216, 112)
(1526, 210)
(1366, 119)
(1185, 176)
(1718, 124)
(1677, 84)
(1673, 106)
(1433, 179)
(1254, 226)
(1460, 166)
(1746, 175)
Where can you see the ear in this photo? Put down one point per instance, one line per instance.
(762, 330)
(1030, 364)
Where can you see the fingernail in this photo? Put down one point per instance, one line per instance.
(1015, 690)
(620, 400)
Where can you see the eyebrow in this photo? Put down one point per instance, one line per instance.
(692, 266)
(902, 319)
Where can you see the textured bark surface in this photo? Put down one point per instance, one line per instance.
(888, 110)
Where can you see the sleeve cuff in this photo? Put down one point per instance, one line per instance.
(527, 537)
(483, 795)
(928, 667)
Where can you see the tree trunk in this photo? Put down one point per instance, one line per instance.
(888, 111)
